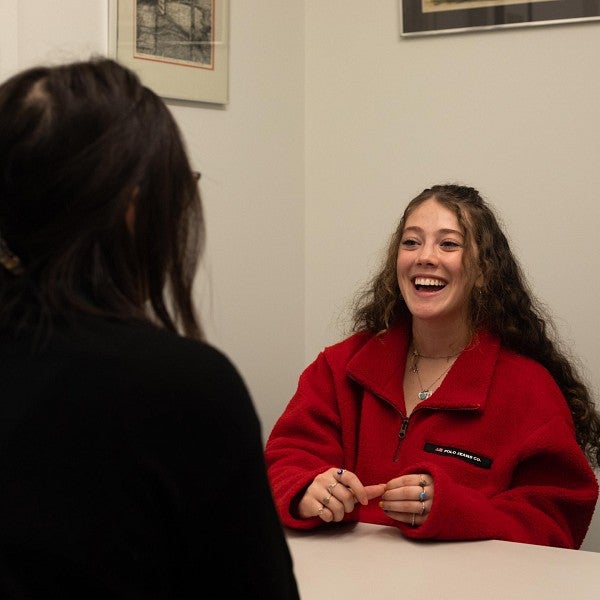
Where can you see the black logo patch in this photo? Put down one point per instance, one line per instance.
(479, 461)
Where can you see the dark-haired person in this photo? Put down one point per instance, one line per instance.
(124, 436)
(451, 412)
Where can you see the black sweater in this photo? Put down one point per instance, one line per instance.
(131, 466)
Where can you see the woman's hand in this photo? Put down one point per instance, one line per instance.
(408, 499)
(334, 493)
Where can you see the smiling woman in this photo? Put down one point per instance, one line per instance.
(432, 275)
(448, 376)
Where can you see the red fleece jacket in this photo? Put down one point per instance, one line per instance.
(497, 437)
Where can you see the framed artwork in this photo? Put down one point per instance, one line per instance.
(426, 17)
(179, 48)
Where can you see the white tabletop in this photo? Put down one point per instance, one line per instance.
(371, 561)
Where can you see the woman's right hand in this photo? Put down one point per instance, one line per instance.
(334, 493)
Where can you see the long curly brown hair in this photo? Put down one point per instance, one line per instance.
(503, 304)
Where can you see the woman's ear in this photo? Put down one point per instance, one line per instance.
(130, 212)
(130, 217)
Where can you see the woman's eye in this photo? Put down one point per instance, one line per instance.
(409, 243)
(450, 245)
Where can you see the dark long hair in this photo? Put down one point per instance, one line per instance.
(503, 304)
(80, 144)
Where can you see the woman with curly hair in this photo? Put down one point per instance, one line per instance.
(451, 412)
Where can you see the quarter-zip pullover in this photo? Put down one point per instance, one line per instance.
(497, 436)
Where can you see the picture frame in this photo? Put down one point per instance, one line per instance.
(427, 17)
(178, 48)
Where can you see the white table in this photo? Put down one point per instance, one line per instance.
(364, 561)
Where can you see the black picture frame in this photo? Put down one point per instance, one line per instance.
(419, 17)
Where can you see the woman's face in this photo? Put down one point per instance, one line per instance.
(433, 280)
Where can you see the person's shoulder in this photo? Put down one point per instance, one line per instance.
(507, 359)
(527, 374)
(349, 345)
(396, 336)
(141, 341)
(522, 365)
(508, 364)
(152, 358)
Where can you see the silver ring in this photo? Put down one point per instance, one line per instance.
(340, 472)
(422, 508)
(422, 496)
(413, 520)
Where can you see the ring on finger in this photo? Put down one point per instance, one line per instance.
(422, 496)
(331, 486)
(422, 508)
(325, 501)
(413, 520)
(422, 481)
(320, 511)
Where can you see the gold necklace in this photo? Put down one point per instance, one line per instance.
(425, 391)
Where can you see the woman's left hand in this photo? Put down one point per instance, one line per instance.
(408, 498)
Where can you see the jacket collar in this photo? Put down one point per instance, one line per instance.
(378, 366)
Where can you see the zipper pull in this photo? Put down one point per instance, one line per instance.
(401, 436)
(402, 432)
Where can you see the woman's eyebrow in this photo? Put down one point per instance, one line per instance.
(444, 231)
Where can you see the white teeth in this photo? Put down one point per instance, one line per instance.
(428, 281)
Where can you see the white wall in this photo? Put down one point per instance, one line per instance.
(334, 123)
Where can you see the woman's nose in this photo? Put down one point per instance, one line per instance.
(426, 254)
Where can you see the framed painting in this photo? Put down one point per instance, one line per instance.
(179, 48)
(425, 17)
